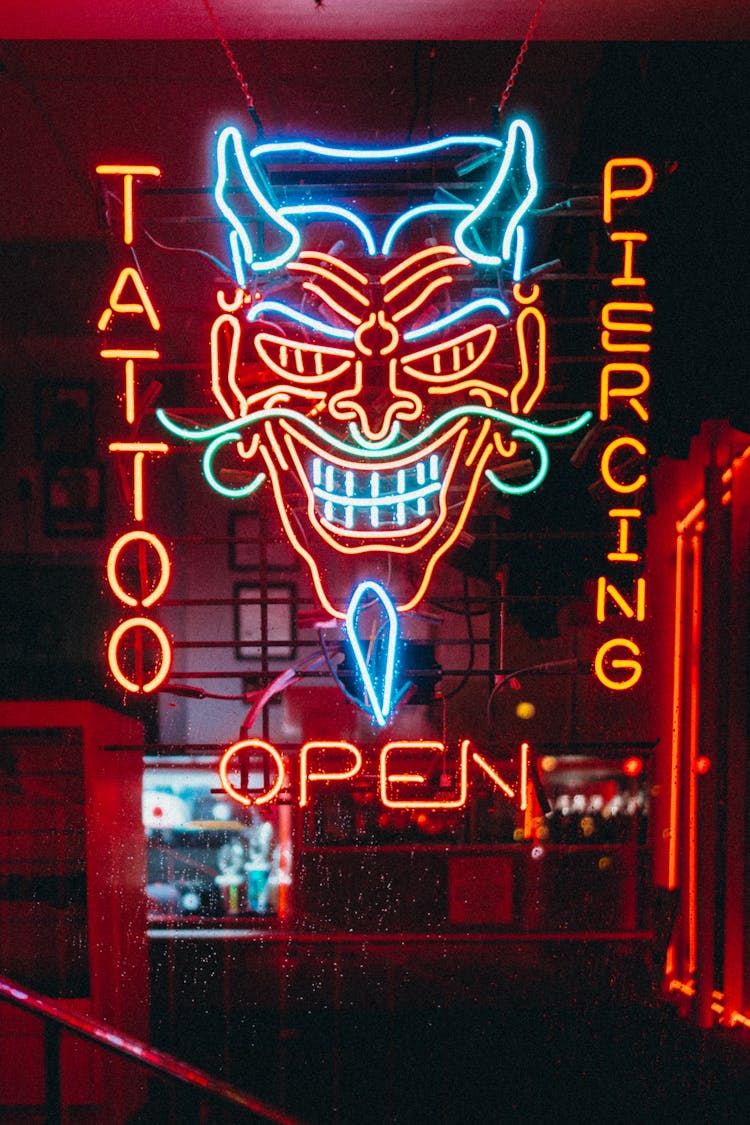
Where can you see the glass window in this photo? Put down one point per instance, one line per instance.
(207, 855)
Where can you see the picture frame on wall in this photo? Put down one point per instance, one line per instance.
(64, 421)
(265, 615)
(252, 548)
(73, 499)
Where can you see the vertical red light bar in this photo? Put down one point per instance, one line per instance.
(737, 868)
(693, 724)
(674, 772)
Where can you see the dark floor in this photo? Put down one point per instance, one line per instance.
(582, 1038)
(589, 1042)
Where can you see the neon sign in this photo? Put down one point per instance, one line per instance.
(364, 383)
(403, 769)
(623, 384)
(376, 398)
(139, 651)
(379, 696)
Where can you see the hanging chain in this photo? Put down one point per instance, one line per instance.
(520, 57)
(249, 101)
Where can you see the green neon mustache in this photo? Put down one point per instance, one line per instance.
(228, 433)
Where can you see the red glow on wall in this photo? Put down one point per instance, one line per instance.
(632, 766)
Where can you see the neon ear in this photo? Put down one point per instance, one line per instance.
(231, 162)
(512, 189)
(531, 341)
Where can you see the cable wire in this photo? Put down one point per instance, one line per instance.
(472, 645)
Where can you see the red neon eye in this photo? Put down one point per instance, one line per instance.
(301, 362)
(452, 359)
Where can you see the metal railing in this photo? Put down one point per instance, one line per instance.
(204, 1090)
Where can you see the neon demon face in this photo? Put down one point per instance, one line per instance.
(362, 385)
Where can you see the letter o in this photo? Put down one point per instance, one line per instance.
(114, 556)
(248, 744)
(635, 666)
(166, 654)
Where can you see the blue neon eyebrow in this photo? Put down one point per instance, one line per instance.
(282, 309)
(458, 314)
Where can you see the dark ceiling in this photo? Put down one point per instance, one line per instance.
(388, 19)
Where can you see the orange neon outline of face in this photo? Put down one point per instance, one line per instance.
(244, 744)
(405, 362)
(321, 523)
(320, 256)
(166, 654)
(321, 271)
(344, 405)
(333, 304)
(312, 563)
(408, 361)
(530, 312)
(425, 271)
(279, 449)
(436, 747)
(230, 321)
(421, 298)
(325, 744)
(417, 256)
(114, 555)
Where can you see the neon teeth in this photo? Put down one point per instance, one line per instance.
(378, 502)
